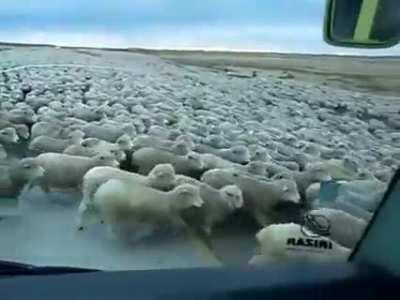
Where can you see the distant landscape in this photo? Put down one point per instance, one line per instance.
(375, 74)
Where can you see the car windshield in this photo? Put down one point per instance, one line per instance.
(156, 134)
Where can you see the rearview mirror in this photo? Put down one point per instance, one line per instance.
(362, 23)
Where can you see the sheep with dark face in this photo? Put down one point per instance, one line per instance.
(218, 205)
(136, 211)
(14, 177)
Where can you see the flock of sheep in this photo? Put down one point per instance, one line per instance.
(195, 148)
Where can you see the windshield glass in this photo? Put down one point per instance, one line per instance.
(174, 134)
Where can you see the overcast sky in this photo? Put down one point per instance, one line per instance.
(267, 25)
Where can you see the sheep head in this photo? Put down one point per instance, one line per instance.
(124, 142)
(9, 135)
(180, 148)
(185, 196)
(162, 176)
(195, 161)
(27, 171)
(90, 142)
(233, 196)
(242, 153)
(288, 190)
(105, 159)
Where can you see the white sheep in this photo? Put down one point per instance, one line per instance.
(179, 146)
(260, 154)
(260, 197)
(212, 161)
(215, 141)
(79, 150)
(162, 177)
(108, 132)
(122, 144)
(274, 169)
(182, 179)
(363, 186)
(343, 227)
(64, 171)
(337, 169)
(42, 144)
(158, 131)
(292, 243)
(87, 113)
(47, 129)
(137, 211)
(14, 177)
(306, 178)
(342, 203)
(257, 168)
(145, 140)
(22, 129)
(237, 154)
(384, 173)
(218, 205)
(8, 136)
(291, 165)
(312, 194)
(22, 116)
(147, 158)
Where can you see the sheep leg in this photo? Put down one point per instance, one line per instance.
(260, 218)
(44, 186)
(207, 227)
(207, 230)
(177, 225)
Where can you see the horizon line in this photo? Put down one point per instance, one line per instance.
(193, 49)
